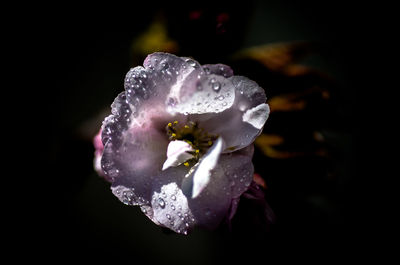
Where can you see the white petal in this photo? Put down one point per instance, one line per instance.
(202, 174)
(177, 153)
(257, 116)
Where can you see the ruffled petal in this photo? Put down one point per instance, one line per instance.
(136, 163)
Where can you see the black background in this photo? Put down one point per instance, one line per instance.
(71, 63)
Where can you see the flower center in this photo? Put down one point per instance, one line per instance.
(190, 133)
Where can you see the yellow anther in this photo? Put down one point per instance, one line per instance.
(197, 151)
(186, 127)
(175, 122)
(174, 135)
(186, 164)
(169, 124)
(209, 142)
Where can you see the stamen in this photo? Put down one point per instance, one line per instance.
(186, 164)
(209, 143)
(169, 124)
(186, 127)
(175, 122)
(173, 135)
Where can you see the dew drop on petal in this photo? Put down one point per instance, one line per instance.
(216, 86)
(171, 102)
(191, 63)
(173, 197)
(168, 216)
(165, 66)
(161, 202)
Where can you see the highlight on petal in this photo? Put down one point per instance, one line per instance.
(202, 174)
(257, 116)
(178, 152)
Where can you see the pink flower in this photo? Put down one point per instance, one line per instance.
(179, 140)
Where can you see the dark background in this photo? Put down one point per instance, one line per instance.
(73, 64)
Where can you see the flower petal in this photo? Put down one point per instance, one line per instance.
(209, 94)
(201, 175)
(136, 163)
(257, 116)
(177, 153)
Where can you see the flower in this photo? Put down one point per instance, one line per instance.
(179, 140)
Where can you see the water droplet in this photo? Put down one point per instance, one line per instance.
(161, 202)
(171, 223)
(212, 80)
(164, 66)
(168, 216)
(173, 197)
(179, 214)
(235, 176)
(191, 63)
(172, 102)
(216, 86)
(220, 97)
(143, 210)
(185, 232)
(187, 224)
(199, 86)
(173, 207)
(206, 70)
(224, 104)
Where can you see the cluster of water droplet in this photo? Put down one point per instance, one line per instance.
(239, 176)
(128, 196)
(172, 211)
